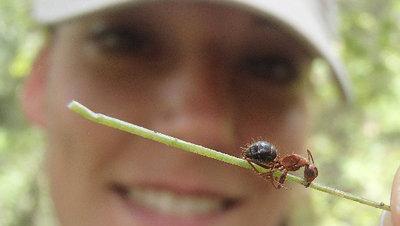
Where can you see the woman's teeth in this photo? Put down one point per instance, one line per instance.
(170, 203)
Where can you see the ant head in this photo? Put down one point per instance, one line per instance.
(310, 173)
(310, 170)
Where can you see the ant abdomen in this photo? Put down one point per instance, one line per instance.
(261, 152)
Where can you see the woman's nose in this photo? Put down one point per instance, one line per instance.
(198, 106)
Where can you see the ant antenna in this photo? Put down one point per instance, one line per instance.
(310, 157)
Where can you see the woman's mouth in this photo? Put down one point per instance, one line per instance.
(163, 204)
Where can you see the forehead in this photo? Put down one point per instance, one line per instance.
(192, 18)
(207, 10)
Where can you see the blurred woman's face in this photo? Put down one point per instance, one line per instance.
(209, 74)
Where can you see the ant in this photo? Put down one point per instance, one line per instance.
(266, 155)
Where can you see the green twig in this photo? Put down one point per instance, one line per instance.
(207, 152)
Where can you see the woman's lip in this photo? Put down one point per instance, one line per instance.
(157, 205)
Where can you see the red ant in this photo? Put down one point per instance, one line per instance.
(266, 155)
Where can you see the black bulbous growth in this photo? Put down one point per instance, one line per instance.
(261, 152)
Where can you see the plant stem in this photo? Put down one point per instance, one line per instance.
(207, 152)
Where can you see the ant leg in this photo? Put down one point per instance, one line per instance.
(274, 182)
(252, 166)
(282, 178)
(268, 176)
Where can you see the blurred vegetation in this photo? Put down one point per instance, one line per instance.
(20, 145)
(356, 147)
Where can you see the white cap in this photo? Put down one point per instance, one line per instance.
(312, 21)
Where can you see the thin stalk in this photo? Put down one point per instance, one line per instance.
(207, 152)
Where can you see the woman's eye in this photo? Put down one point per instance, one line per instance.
(119, 39)
(272, 69)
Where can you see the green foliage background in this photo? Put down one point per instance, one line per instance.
(356, 147)
(20, 145)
